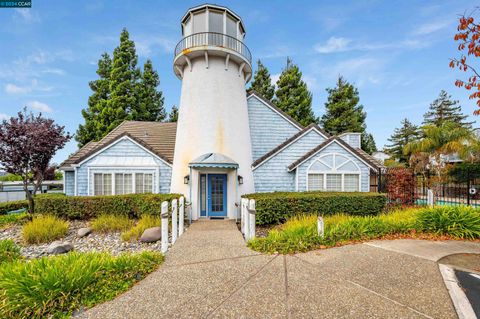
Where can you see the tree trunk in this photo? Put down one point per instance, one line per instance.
(31, 203)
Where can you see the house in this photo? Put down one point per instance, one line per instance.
(226, 143)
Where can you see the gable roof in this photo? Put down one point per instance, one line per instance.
(287, 142)
(252, 92)
(364, 157)
(157, 137)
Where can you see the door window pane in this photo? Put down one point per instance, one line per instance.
(139, 183)
(315, 182)
(334, 182)
(351, 182)
(107, 184)
(203, 192)
(97, 184)
(217, 193)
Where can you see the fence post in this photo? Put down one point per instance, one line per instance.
(164, 215)
(251, 219)
(242, 215)
(320, 227)
(174, 221)
(181, 216)
(468, 185)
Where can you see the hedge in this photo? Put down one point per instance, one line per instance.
(10, 206)
(275, 208)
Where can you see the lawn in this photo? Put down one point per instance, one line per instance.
(299, 234)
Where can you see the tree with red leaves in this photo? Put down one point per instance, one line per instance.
(468, 37)
(27, 144)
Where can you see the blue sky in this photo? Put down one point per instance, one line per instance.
(396, 52)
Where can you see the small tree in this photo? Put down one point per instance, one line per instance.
(368, 143)
(468, 37)
(402, 136)
(27, 144)
(444, 109)
(173, 115)
(262, 82)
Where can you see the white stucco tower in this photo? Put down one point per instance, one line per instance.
(212, 160)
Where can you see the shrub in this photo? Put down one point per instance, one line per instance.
(43, 229)
(274, 208)
(10, 219)
(401, 185)
(111, 223)
(56, 286)
(11, 206)
(299, 233)
(88, 207)
(457, 221)
(146, 221)
(9, 251)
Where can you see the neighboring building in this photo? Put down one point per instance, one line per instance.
(381, 156)
(226, 143)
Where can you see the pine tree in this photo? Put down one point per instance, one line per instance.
(96, 103)
(343, 111)
(292, 95)
(173, 115)
(150, 100)
(368, 143)
(444, 109)
(262, 82)
(407, 133)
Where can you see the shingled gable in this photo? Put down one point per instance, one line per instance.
(287, 142)
(359, 153)
(252, 92)
(158, 138)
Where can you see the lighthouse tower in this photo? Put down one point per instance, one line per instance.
(212, 160)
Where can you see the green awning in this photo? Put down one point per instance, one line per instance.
(213, 160)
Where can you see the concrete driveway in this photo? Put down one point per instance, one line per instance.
(209, 273)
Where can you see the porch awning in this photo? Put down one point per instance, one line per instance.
(213, 160)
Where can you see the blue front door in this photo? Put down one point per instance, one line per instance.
(217, 195)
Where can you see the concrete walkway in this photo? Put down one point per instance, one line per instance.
(209, 273)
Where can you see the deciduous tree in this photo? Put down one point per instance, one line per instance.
(27, 144)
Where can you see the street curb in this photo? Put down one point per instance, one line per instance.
(459, 299)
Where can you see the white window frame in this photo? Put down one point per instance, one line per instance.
(108, 170)
(334, 170)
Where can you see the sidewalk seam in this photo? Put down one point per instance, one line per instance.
(287, 294)
(210, 261)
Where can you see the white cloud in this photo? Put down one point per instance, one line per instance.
(27, 15)
(4, 117)
(432, 27)
(333, 44)
(14, 89)
(39, 106)
(145, 45)
(55, 71)
(275, 78)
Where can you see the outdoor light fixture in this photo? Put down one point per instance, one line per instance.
(240, 180)
(186, 179)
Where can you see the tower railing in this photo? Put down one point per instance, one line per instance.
(213, 39)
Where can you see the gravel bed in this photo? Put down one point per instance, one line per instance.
(110, 242)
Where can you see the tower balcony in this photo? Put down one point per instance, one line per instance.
(205, 44)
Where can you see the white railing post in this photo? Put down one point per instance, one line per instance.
(251, 219)
(164, 246)
(174, 221)
(243, 210)
(181, 216)
(320, 227)
(430, 198)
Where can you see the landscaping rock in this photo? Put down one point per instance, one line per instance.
(58, 247)
(82, 232)
(151, 235)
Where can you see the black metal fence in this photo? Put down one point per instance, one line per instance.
(406, 187)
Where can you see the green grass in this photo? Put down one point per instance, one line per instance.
(9, 251)
(53, 287)
(12, 219)
(146, 221)
(111, 223)
(299, 233)
(44, 229)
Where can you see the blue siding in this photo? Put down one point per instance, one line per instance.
(273, 174)
(268, 129)
(353, 139)
(69, 186)
(333, 148)
(161, 171)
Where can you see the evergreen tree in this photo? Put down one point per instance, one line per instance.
(407, 133)
(444, 109)
(150, 100)
(343, 111)
(262, 83)
(368, 143)
(91, 130)
(173, 115)
(292, 95)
